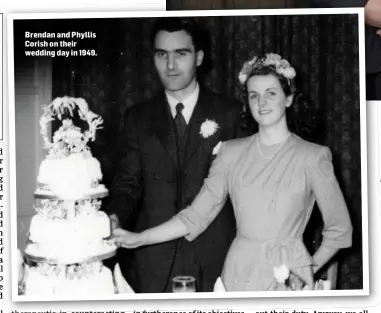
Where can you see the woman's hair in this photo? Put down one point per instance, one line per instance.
(301, 118)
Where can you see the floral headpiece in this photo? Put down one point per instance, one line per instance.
(282, 66)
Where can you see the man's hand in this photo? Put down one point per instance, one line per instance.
(114, 222)
(126, 239)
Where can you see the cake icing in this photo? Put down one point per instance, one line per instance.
(71, 177)
(69, 171)
(84, 234)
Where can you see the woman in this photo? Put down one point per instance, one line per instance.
(273, 178)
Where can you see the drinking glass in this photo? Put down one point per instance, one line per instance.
(183, 284)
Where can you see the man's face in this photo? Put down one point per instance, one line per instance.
(176, 60)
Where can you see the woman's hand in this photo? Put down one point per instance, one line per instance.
(126, 239)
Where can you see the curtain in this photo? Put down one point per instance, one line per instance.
(323, 49)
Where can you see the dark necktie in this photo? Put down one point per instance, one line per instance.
(181, 124)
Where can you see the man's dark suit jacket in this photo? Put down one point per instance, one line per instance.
(152, 185)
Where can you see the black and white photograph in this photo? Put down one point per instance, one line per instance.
(192, 154)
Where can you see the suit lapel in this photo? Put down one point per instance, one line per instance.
(202, 111)
(163, 127)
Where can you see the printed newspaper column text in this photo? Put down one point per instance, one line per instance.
(1, 225)
(67, 44)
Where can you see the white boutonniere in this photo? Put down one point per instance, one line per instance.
(217, 148)
(208, 128)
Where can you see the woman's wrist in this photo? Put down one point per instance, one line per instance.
(144, 238)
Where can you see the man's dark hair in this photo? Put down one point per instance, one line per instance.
(174, 24)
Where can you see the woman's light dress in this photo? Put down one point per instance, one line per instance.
(273, 199)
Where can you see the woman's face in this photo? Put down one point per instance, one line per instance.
(267, 100)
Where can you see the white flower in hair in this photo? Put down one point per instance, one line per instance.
(272, 59)
(208, 128)
(284, 63)
(252, 61)
(242, 78)
(287, 72)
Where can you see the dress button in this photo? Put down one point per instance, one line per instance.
(236, 281)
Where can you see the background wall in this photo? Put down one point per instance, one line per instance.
(33, 87)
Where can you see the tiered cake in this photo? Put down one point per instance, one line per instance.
(68, 237)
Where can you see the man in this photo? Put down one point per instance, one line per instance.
(167, 150)
(372, 40)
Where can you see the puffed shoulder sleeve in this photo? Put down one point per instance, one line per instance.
(210, 199)
(337, 231)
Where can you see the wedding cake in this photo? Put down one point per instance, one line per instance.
(68, 235)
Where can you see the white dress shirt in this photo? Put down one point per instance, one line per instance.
(189, 104)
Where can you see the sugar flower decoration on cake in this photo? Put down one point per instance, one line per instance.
(51, 209)
(68, 138)
(208, 128)
(89, 207)
(75, 271)
(282, 67)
